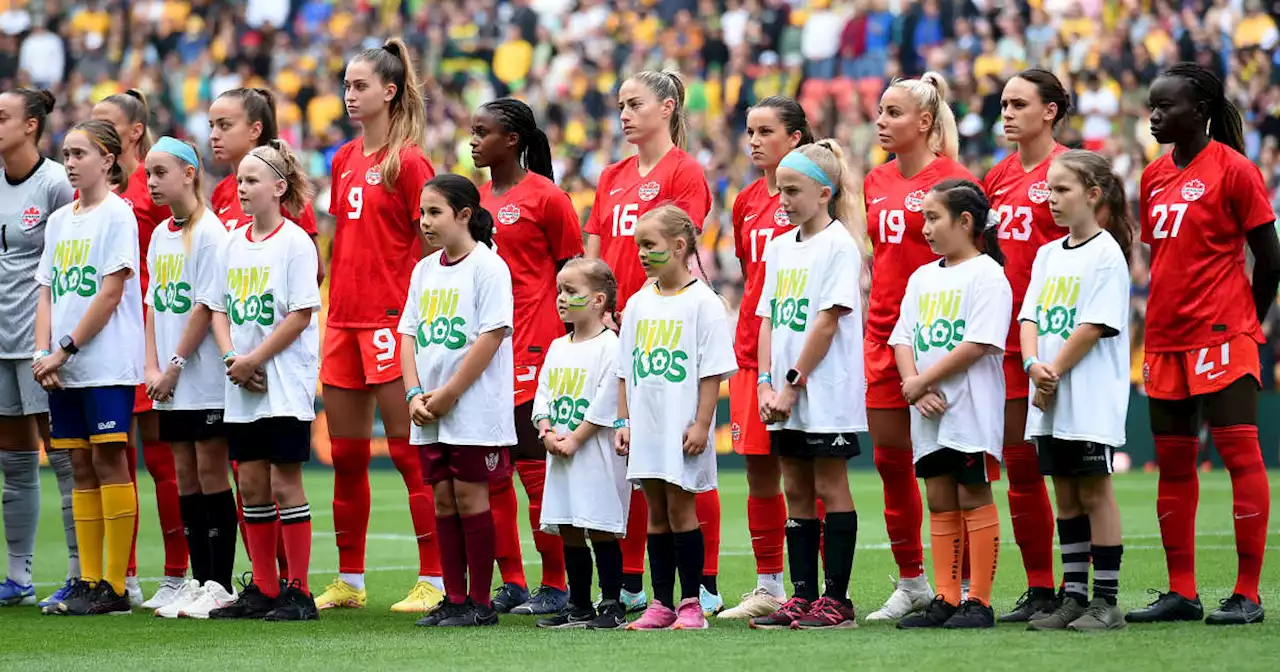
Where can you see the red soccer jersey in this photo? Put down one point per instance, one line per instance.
(226, 205)
(1021, 198)
(375, 246)
(758, 217)
(896, 224)
(148, 214)
(623, 195)
(1195, 220)
(535, 228)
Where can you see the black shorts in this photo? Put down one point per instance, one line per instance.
(191, 426)
(805, 445)
(1073, 459)
(965, 468)
(528, 446)
(276, 440)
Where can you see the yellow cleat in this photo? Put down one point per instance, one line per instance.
(340, 595)
(423, 598)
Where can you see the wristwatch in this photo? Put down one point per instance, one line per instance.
(794, 377)
(69, 344)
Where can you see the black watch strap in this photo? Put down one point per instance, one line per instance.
(67, 343)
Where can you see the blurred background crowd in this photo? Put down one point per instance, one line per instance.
(566, 58)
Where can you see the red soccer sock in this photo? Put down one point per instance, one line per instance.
(263, 522)
(244, 530)
(159, 460)
(633, 545)
(479, 532)
(1032, 514)
(350, 501)
(533, 475)
(903, 512)
(453, 557)
(295, 531)
(422, 507)
(767, 522)
(820, 508)
(131, 454)
(707, 505)
(1178, 495)
(1251, 501)
(505, 508)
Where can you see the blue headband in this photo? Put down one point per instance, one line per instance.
(805, 166)
(178, 148)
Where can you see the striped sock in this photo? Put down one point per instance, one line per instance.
(295, 528)
(1073, 536)
(1106, 572)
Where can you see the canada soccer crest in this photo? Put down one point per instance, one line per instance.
(649, 191)
(736, 429)
(373, 176)
(1193, 190)
(780, 218)
(30, 218)
(1038, 192)
(914, 201)
(509, 214)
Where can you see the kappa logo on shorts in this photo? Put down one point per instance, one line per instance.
(509, 214)
(106, 426)
(1193, 190)
(491, 461)
(781, 218)
(649, 191)
(30, 218)
(373, 176)
(735, 430)
(1038, 192)
(914, 201)
(840, 440)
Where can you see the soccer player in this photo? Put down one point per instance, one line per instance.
(675, 346)
(263, 323)
(651, 110)
(811, 339)
(32, 189)
(775, 126)
(129, 114)
(918, 127)
(90, 310)
(1075, 341)
(1032, 104)
(1199, 205)
(377, 181)
(537, 231)
(456, 356)
(188, 388)
(949, 344)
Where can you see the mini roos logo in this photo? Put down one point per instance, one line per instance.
(780, 218)
(1038, 192)
(30, 218)
(373, 176)
(736, 430)
(914, 201)
(491, 461)
(509, 214)
(1193, 190)
(649, 191)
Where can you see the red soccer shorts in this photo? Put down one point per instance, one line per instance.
(1017, 384)
(1179, 375)
(884, 385)
(750, 435)
(357, 359)
(141, 402)
(469, 464)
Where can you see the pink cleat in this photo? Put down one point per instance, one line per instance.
(657, 617)
(689, 615)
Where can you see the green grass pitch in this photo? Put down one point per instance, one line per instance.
(377, 639)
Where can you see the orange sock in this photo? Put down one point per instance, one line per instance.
(946, 528)
(983, 527)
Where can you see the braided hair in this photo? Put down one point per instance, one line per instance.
(534, 150)
(1225, 124)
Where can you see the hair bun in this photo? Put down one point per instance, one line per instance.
(48, 99)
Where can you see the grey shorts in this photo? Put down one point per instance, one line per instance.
(20, 394)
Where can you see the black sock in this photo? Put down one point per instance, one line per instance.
(577, 567)
(1073, 538)
(609, 567)
(709, 582)
(220, 507)
(632, 583)
(195, 527)
(802, 555)
(662, 567)
(690, 557)
(841, 532)
(1106, 572)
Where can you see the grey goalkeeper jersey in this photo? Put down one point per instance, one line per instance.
(25, 206)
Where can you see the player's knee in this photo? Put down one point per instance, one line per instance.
(1236, 404)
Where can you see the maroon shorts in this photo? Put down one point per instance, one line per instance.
(469, 464)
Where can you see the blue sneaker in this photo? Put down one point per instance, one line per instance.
(545, 600)
(58, 596)
(508, 597)
(635, 603)
(712, 604)
(14, 595)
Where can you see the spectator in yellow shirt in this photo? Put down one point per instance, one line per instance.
(513, 58)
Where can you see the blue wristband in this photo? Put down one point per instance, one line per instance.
(413, 392)
(228, 355)
(763, 378)
(1028, 363)
(621, 423)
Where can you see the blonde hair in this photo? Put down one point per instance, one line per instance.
(846, 205)
(668, 84)
(407, 118)
(930, 95)
(286, 165)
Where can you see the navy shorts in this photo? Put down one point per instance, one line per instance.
(86, 416)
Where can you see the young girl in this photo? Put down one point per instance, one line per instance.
(537, 232)
(263, 322)
(587, 492)
(129, 114)
(184, 258)
(377, 182)
(32, 189)
(775, 126)
(1075, 341)
(949, 346)
(455, 351)
(675, 346)
(811, 344)
(90, 310)
(917, 126)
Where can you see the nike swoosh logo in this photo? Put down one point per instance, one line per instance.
(1157, 190)
(1248, 515)
(1000, 191)
(749, 218)
(1214, 376)
(1164, 515)
(345, 173)
(614, 191)
(222, 210)
(384, 367)
(877, 200)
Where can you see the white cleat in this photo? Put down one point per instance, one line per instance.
(188, 593)
(758, 602)
(133, 591)
(212, 596)
(170, 586)
(909, 596)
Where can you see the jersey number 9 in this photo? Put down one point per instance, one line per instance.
(355, 202)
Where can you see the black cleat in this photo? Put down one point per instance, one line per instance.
(251, 603)
(444, 610)
(613, 616)
(972, 615)
(1237, 610)
(106, 602)
(935, 615)
(571, 617)
(1035, 603)
(1167, 608)
(293, 604)
(472, 615)
(508, 596)
(76, 602)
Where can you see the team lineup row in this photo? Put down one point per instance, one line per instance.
(448, 306)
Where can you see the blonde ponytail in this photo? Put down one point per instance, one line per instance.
(846, 205)
(930, 94)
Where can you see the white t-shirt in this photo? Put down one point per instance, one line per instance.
(943, 307)
(667, 346)
(80, 250)
(179, 280)
(802, 279)
(263, 282)
(1086, 284)
(447, 309)
(576, 385)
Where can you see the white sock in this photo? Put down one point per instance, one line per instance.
(436, 581)
(771, 583)
(354, 580)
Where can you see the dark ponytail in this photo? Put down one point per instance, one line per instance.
(792, 116)
(36, 104)
(1050, 90)
(962, 196)
(1225, 123)
(259, 107)
(533, 150)
(462, 193)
